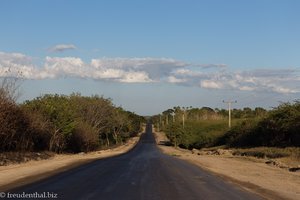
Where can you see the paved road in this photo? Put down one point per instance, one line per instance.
(143, 173)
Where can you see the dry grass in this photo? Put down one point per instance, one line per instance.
(270, 152)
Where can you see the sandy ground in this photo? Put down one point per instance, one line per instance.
(20, 174)
(250, 173)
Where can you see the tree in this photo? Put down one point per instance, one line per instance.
(57, 110)
(119, 125)
(14, 126)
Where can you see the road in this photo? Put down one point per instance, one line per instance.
(142, 173)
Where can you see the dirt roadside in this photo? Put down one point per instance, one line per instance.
(251, 174)
(16, 175)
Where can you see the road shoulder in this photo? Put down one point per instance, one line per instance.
(16, 175)
(251, 174)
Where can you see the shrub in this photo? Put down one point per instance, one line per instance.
(280, 128)
(85, 138)
(14, 127)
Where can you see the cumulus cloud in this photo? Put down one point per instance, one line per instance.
(211, 84)
(62, 47)
(284, 81)
(66, 66)
(129, 70)
(146, 70)
(155, 68)
(15, 64)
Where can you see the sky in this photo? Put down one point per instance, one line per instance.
(148, 56)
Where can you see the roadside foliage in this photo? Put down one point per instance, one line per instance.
(61, 123)
(280, 128)
(206, 127)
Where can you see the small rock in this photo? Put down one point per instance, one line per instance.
(270, 162)
(224, 152)
(195, 151)
(294, 169)
(281, 165)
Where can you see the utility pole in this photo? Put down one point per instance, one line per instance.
(183, 117)
(229, 111)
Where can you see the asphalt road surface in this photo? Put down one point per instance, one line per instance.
(142, 173)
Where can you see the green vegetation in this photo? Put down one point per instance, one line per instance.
(61, 123)
(206, 127)
(195, 134)
(280, 128)
(192, 127)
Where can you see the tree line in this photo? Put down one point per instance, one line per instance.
(62, 123)
(279, 128)
(189, 127)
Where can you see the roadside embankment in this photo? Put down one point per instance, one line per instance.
(250, 173)
(16, 175)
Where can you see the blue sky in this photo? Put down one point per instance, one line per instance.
(152, 55)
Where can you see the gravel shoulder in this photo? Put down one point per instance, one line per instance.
(250, 173)
(16, 175)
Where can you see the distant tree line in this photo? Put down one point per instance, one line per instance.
(279, 128)
(180, 114)
(189, 127)
(62, 123)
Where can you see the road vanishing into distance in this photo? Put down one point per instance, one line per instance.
(142, 173)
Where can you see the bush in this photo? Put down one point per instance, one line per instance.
(75, 123)
(85, 138)
(196, 134)
(279, 129)
(14, 127)
(60, 123)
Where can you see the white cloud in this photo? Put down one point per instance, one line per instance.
(211, 84)
(284, 90)
(127, 70)
(135, 77)
(15, 65)
(282, 81)
(155, 68)
(62, 47)
(187, 73)
(246, 88)
(66, 66)
(145, 70)
(14, 58)
(173, 79)
(108, 74)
